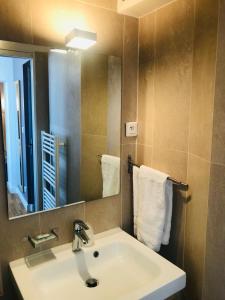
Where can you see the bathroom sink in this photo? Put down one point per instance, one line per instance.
(124, 269)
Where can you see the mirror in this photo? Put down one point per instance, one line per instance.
(60, 114)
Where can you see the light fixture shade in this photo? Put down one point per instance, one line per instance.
(80, 39)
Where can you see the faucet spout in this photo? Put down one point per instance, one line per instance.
(82, 235)
(81, 238)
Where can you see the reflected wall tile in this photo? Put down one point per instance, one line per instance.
(203, 80)
(103, 214)
(94, 93)
(196, 222)
(15, 21)
(90, 173)
(214, 287)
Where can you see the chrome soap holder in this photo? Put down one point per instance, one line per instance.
(44, 238)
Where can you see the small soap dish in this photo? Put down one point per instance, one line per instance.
(43, 238)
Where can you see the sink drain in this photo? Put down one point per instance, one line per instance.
(91, 282)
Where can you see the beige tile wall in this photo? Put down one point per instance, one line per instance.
(176, 126)
(214, 287)
(45, 22)
(178, 47)
(165, 84)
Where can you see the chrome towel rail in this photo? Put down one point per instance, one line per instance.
(174, 181)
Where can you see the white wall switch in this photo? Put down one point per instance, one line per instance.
(131, 129)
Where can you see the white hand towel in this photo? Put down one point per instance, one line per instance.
(110, 175)
(135, 196)
(152, 207)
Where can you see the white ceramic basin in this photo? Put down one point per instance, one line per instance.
(125, 268)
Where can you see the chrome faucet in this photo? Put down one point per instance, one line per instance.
(81, 239)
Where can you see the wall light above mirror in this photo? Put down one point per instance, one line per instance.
(80, 39)
(61, 126)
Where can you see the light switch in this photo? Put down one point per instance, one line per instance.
(131, 129)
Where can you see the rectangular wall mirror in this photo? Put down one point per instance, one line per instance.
(60, 115)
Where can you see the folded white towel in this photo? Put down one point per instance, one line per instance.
(135, 196)
(110, 175)
(152, 226)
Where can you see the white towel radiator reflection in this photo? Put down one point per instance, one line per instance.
(50, 170)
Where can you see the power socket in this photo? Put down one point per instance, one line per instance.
(131, 129)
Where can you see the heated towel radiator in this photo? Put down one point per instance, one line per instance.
(50, 170)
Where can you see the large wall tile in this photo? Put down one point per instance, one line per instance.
(14, 244)
(196, 222)
(103, 214)
(203, 81)
(218, 141)
(144, 155)
(174, 37)
(146, 103)
(165, 80)
(175, 113)
(214, 287)
(62, 221)
(170, 161)
(15, 21)
(15, 237)
(147, 39)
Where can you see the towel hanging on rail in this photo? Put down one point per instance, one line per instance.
(110, 166)
(152, 206)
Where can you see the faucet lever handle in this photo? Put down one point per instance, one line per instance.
(80, 225)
